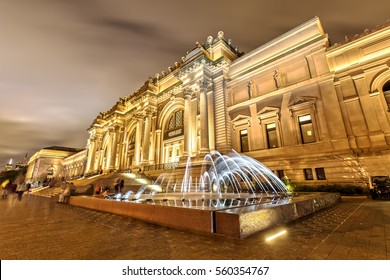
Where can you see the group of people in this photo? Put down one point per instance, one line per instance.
(68, 188)
(119, 185)
(8, 187)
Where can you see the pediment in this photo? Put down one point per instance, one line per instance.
(240, 118)
(268, 111)
(302, 100)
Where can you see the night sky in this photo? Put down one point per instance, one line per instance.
(63, 62)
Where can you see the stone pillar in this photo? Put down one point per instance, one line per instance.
(146, 140)
(153, 140)
(109, 149)
(204, 128)
(138, 135)
(114, 145)
(187, 122)
(193, 123)
(91, 155)
(211, 120)
(256, 131)
(158, 146)
(122, 145)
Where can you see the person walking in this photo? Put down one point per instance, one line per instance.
(20, 190)
(4, 189)
(121, 185)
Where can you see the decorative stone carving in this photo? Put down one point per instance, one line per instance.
(250, 89)
(209, 40)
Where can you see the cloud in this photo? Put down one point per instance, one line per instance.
(62, 62)
(132, 27)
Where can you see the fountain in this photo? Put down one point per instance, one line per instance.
(231, 194)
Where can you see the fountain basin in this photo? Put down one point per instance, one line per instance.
(234, 220)
(247, 220)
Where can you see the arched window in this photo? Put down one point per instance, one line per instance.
(176, 120)
(132, 138)
(386, 93)
(175, 124)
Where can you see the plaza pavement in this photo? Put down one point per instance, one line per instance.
(39, 228)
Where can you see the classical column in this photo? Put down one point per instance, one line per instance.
(204, 128)
(121, 146)
(138, 135)
(187, 122)
(194, 124)
(114, 145)
(109, 149)
(146, 140)
(153, 140)
(158, 146)
(91, 154)
(211, 119)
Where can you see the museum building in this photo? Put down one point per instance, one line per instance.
(314, 112)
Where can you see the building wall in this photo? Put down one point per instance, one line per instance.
(295, 103)
(46, 163)
(74, 165)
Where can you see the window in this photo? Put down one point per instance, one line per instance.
(132, 138)
(50, 171)
(272, 137)
(176, 120)
(280, 174)
(320, 172)
(308, 172)
(244, 140)
(386, 93)
(307, 130)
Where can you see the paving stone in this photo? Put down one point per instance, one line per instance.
(40, 228)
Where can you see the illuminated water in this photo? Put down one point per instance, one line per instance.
(224, 181)
(232, 173)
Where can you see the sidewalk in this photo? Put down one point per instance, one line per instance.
(40, 228)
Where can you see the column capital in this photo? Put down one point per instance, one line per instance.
(139, 116)
(205, 84)
(187, 92)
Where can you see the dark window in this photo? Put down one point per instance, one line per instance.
(244, 140)
(171, 124)
(308, 172)
(386, 93)
(132, 138)
(306, 127)
(320, 172)
(50, 171)
(272, 137)
(176, 120)
(280, 174)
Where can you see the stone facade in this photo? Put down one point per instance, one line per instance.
(48, 163)
(74, 165)
(314, 112)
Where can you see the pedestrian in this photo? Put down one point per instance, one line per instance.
(65, 193)
(12, 188)
(4, 189)
(121, 185)
(116, 185)
(105, 193)
(20, 190)
(97, 189)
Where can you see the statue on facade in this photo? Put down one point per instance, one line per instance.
(250, 89)
(277, 79)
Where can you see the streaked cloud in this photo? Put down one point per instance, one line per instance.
(63, 62)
